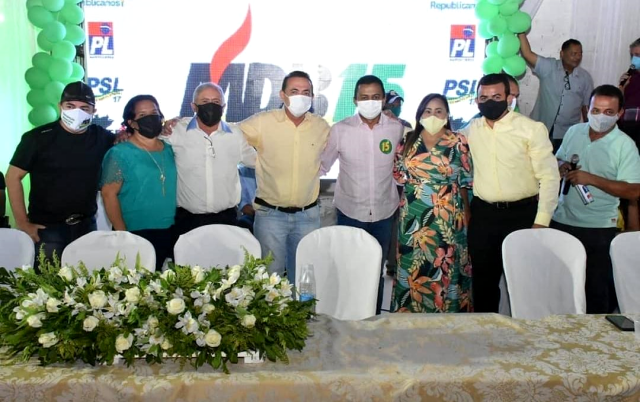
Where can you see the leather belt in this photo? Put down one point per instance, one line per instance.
(286, 210)
(511, 204)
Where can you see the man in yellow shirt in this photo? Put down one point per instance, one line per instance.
(289, 142)
(516, 183)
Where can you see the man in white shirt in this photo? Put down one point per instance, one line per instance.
(366, 196)
(207, 152)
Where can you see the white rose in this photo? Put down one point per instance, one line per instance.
(212, 338)
(167, 275)
(175, 306)
(207, 308)
(197, 273)
(52, 305)
(90, 323)
(34, 321)
(123, 343)
(152, 322)
(249, 321)
(66, 273)
(132, 295)
(166, 345)
(97, 299)
(49, 339)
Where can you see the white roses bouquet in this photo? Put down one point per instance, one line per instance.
(207, 315)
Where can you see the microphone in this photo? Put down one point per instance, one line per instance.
(574, 165)
(630, 71)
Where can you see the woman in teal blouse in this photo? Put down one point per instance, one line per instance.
(139, 178)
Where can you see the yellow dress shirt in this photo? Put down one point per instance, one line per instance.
(514, 160)
(288, 156)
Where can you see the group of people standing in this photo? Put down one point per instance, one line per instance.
(461, 193)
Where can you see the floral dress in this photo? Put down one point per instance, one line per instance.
(434, 271)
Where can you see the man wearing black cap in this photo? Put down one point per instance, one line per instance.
(63, 159)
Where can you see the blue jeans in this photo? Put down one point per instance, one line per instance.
(55, 237)
(279, 233)
(381, 230)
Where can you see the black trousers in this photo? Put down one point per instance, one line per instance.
(599, 287)
(186, 221)
(487, 230)
(162, 242)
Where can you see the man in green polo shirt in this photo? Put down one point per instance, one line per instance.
(610, 166)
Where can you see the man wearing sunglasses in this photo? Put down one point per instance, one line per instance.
(565, 88)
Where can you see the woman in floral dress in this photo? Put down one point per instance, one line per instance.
(434, 165)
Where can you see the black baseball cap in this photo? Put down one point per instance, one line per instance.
(78, 91)
(392, 96)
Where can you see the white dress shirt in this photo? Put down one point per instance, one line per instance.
(208, 180)
(365, 188)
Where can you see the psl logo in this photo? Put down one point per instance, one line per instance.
(101, 39)
(463, 42)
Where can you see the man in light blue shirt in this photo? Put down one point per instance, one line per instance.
(610, 166)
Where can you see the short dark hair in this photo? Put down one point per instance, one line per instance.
(493, 79)
(635, 43)
(511, 78)
(129, 111)
(570, 42)
(366, 80)
(296, 74)
(609, 91)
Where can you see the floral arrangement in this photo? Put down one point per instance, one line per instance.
(204, 315)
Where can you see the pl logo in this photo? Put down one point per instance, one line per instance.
(463, 42)
(101, 39)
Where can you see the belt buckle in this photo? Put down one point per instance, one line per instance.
(73, 219)
(502, 205)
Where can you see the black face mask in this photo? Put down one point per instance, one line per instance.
(150, 126)
(209, 114)
(492, 110)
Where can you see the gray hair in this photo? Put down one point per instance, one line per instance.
(635, 43)
(211, 85)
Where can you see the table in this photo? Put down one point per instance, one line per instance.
(401, 357)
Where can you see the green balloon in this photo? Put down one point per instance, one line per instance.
(36, 78)
(44, 43)
(483, 30)
(39, 16)
(486, 10)
(54, 31)
(64, 50)
(497, 2)
(77, 73)
(492, 49)
(519, 22)
(43, 114)
(41, 60)
(509, 45)
(514, 66)
(72, 14)
(509, 8)
(53, 5)
(33, 3)
(36, 97)
(75, 34)
(492, 65)
(60, 69)
(53, 91)
(497, 25)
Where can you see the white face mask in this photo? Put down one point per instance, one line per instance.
(514, 104)
(370, 109)
(299, 104)
(432, 124)
(76, 119)
(601, 122)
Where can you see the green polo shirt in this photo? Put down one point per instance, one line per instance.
(614, 157)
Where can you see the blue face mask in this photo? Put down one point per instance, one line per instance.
(396, 110)
(635, 60)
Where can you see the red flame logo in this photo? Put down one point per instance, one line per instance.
(231, 48)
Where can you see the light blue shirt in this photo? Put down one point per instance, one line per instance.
(614, 157)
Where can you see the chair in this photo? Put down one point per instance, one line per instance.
(505, 303)
(215, 246)
(347, 263)
(102, 220)
(16, 249)
(545, 271)
(625, 257)
(99, 249)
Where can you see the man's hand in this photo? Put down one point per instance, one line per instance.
(248, 210)
(538, 226)
(580, 177)
(624, 77)
(167, 128)
(122, 136)
(564, 168)
(31, 229)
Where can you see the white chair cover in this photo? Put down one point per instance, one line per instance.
(102, 220)
(545, 271)
(215, 246)
(99, 250)
(347, 263)
(16, 249)
(625, 256)
(505, 303)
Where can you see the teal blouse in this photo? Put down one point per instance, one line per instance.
(144, 203)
